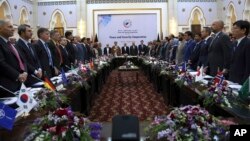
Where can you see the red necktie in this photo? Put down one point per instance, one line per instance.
(60, 54)
(14, 51)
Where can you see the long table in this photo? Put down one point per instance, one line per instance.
(175, 96)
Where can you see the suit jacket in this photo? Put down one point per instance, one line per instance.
(194, 57)
(10, 69)
(66, 63)
(44, 59)
(32, 61)
(240, 63)
(105, 51)
(116, 50)
(55, 54)
(81, 52)
(204, 52)
(71, 52)
(219, 53)
(142, 48)
(133, 51)
(188, 49)
(89, 53)
(125, 50)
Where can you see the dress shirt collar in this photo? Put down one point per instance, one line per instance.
(207, 38)
(25, 41)
(240, 39)
(42, 41)
(6, 40)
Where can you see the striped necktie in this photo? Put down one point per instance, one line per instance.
(49, 54)
(14, 51)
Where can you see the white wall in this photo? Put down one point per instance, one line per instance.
(15, 13)
(127, 8)
(184, 16)
(71, 20)
(239, 8)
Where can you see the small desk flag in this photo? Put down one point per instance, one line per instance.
(199, 75)
(7, 116)
(48, 84)
(26, 100)
(64, 78)
(245, 89)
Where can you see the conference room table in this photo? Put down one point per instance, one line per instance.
(82, 98)
(175, 95)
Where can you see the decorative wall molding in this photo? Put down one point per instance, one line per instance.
(28, 1)
(124, 1)
(197, 1)
(70, 2)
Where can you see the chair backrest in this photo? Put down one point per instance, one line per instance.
(125, 128)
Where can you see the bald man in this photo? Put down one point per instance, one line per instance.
(219, 51)
(13, 68)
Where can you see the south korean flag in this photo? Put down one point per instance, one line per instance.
(25, 100)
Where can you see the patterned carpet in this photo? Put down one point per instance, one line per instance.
(127, 96)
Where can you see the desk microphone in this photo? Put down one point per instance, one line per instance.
(67, 67)
(2, 87)
(32, 75)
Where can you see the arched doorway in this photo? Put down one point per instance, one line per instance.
(231, 17)
(246, 13)
(5, 10)
(196, 20)
(58, 22)
(24, 18)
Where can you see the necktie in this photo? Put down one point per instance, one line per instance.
(65, 51)
(31, 50)
(195, 46)
(14, 51)
(60, 54)
(235, 45)
(49, 54)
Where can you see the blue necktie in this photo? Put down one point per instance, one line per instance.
(49, 54)
(31, 50)
(235, 46)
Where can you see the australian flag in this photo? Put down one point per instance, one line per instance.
(7, 116)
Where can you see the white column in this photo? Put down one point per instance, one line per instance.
(35, 19)
(172, 17)
(81, 17)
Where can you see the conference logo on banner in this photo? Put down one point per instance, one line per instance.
(127, 28)
(127, 23)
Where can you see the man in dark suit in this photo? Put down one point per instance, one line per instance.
(66, 63)
(142, 48)
(55, 51)
(196, 51)
(240, 64)
(219, 52)
(43, 52)
(26, 48)
(13, 70)
(107, 50)
(205, 34)
(125, 49)
(133, 49)
(70, 47)
(89, 52)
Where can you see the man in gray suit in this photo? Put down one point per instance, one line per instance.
(219, 51)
